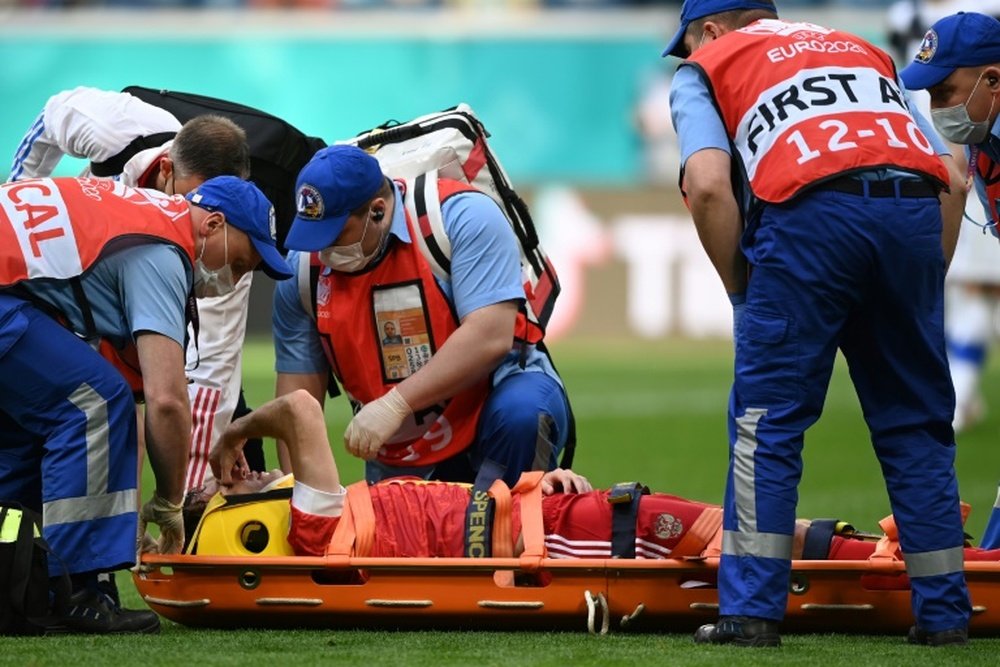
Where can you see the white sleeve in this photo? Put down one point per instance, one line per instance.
(86, 123)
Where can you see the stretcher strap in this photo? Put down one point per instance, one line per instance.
(503, 537)
(705, 529)
(532, 525)
(888, 546)
(364, 517)
(819, 535)
(479, 513)
(355, 532)
(624, 498)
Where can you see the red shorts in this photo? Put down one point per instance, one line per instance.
(309, 534)
(579, 525)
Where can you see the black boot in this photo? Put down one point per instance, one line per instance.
(950, 637)
(93, 607)
(739, 631)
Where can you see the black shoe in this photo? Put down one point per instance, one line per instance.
(952, 637)
(94, 612)
(106, 584)
(739, 631)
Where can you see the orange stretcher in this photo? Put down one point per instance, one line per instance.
(239, 579)
(463, 593)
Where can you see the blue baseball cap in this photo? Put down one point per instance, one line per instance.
(248, 210)
(965, 39)
(336, 181)
(692, 10)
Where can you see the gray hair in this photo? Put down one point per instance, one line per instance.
(209, 146)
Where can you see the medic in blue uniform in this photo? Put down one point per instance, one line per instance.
(815, 193)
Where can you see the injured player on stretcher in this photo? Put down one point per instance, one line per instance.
(416, 518)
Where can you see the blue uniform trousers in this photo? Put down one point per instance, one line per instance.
(991, 536)
(864, 274)
(523, 426)
(68, 445)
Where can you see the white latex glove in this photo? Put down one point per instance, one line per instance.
(374, 424)
(169, 518)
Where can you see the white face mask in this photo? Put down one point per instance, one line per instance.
(219, 282)
(956, 126)
(351, 258)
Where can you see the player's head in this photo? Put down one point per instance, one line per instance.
(958, 63)
(705, 20)
(206, 146)
(197, 499)
(389, 328)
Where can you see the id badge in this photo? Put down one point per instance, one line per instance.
(402, 329)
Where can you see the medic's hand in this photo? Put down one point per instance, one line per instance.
(375, 424)
(566, 481)
(145, 544)
(169, 518)
(148, 544)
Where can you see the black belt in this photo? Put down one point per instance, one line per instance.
(907, 188)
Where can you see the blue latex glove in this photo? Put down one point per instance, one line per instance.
(739, 302)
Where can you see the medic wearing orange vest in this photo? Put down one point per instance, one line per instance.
(802, 117)
(118, 263)
(73, 243)
(481, 386)
(441, 431)
(815, 192)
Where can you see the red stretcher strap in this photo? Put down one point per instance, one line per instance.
(700, 535)
(888, 547)
(503, 534)
(355, 532)
(532, 526)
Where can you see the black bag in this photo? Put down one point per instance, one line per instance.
(278, 151)
(24, 573)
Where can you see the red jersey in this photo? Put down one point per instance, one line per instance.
(414, 518)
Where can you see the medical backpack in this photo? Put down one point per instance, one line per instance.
(452, 144)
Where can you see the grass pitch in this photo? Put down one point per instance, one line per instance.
(649, 411)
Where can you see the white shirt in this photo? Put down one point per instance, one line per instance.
(94, 125)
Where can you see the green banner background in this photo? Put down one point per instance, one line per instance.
(558, 109)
